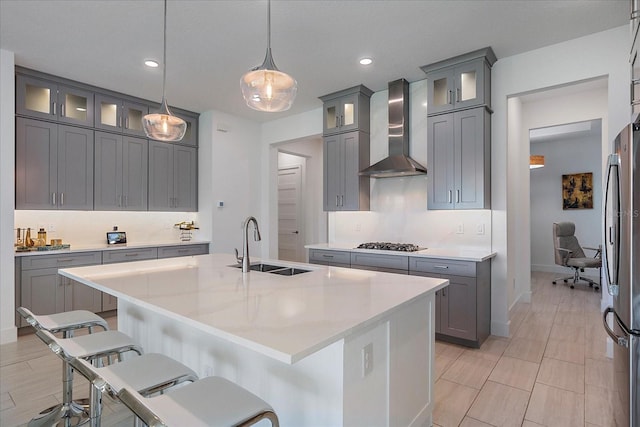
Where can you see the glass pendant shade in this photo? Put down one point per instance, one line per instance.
(162, 125)
(265, 88)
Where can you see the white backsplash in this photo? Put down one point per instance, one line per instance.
(89, 228)
(399, 214)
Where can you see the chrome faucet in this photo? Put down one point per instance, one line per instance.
(244, 259)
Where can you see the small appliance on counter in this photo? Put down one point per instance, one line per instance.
(116, 237)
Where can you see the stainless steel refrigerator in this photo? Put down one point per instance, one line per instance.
(621, 268)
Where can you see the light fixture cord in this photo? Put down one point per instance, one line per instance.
(164, 53)
(269, 25)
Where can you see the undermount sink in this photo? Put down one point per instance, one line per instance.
(275, 269)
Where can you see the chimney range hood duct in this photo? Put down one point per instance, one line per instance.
(398, 163)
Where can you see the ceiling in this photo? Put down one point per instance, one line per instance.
(210, 44)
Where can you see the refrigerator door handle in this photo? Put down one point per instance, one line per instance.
(621, 341)
(611, 232)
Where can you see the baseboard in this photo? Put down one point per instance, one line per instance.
(9, 335)
(500, 329)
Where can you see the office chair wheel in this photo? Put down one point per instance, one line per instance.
(554, 282)
(572, 287)
(566, 281)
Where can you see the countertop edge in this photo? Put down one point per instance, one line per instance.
(436, 253)
(105, 247)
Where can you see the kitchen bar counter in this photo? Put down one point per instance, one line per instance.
(332, 346)
(453, 254)
(106, 247)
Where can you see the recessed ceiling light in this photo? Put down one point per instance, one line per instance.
(366, 61)
(151, 63)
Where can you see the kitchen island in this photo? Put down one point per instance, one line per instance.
(328, 347)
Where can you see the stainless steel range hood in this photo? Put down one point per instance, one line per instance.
(398, 163)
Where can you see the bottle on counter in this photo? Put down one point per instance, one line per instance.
(28, 241)
(42, 237)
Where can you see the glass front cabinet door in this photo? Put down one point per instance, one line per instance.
(457, 87)
(120, 115)
(52, 101)
(346, 111)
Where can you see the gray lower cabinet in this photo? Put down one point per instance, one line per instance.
(173, 172)
(379, 262)
(345, 155)
(182, 250)
(54, 166)
(39, 288)
(463, 309)
(44, 292)
(459, 160)
(330, 257)
(121, 164)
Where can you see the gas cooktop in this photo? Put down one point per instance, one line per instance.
(387, 246)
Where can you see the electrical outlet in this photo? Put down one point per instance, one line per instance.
(358, 227)
(480, 229)
(367, 359)
(208, 371)
(51, 228)
(460, 228)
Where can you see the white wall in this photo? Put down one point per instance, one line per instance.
(229, 171)
(7, 191)
(596, 55)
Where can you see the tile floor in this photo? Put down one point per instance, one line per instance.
(551, 371)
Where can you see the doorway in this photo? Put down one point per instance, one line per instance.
(291, 228)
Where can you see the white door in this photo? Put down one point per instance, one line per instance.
(290, 232)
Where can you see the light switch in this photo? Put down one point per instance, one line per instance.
(220, 204)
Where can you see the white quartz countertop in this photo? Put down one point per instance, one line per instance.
(107, 247)
(442, 253)
(284, 317)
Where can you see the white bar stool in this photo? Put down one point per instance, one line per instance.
(211, 401)
(69, 412)
(148, 374)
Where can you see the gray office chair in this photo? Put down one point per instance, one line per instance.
(569, 253)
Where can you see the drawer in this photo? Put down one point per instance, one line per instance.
(72, 259)
(126, 255)
(182, 250)
(380, 262)
(442, 266)
(326, 257)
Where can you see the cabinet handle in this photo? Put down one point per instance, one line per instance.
(61, 199)
(120, 121)
(53, 199)
(449, 200)
(458, 95)
(342, 200)
(54, 108)
(448, 97)
(126, 201)
(327, 256)
(65, 260)
(441, 267)
(126, 123)
(131, 255)
(444, 291)
(457, 196)
(62, 114)
(337, 198)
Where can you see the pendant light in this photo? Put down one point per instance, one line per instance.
(163, 125)
(265, 88)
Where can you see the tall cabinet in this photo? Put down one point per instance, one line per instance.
(346, 149)
(459, 131)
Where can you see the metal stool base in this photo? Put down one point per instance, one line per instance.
(62, 414)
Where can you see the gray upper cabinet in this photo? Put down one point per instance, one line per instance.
(50, 100)
(346, 110)
(121, 172)
(459, 160)
(120, 115)
(344, 156)
(173, 172)
(460, 82)
(54, 166)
